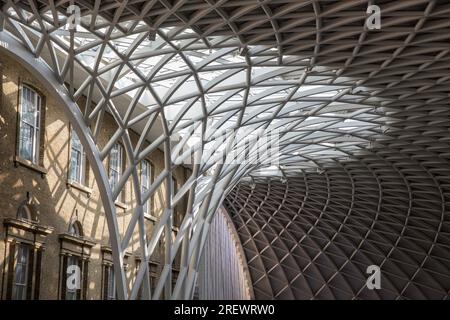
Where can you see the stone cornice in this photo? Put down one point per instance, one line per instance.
(81, 241)
(31, 226)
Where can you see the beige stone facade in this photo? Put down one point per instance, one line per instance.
(55, 203)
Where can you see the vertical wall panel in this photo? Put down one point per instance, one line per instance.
(223, 273)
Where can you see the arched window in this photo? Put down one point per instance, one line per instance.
(24, 213)
(75, 229)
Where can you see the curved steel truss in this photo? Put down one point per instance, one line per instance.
(194, 77)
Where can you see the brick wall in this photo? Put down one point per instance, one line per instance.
(53, 200)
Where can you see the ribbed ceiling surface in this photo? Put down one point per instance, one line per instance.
(313, 237)
(374, 191)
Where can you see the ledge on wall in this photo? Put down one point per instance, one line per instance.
(80, 241)
(31, 226)
(121, 205)
(30, 165)
(108, 258)
(80, 187)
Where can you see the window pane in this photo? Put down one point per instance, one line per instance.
(29, 106)
(145, 183)
(24, 213)
(115, 157)
(114, 178)
(146, 208)
(71, 294)
(77, 159)
(76, 143)
(21, 273)
(75, 229)
(115, 165)
(25, 142)
(111, 294)
(173, 188)
(29, 125)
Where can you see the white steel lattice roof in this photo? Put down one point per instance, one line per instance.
(309, 73)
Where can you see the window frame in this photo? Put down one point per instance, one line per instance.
(36, 128)
(147, 207)
(76, 229)
(119, 170)
(107, 262)
(174, 190)
(174, 187)
(75, 294)
(81, 177)
(24, 267)
(24, 208)
(110, 286)
(28, 233)
(75, 249)
(153, 275)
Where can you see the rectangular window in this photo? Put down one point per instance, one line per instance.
(115, 165)
(111, 283)
(74, 264)
(108, 282)
(20, 283)
(173, 194)
(174, 187)
(29, 127)
(146, 176)
(153, 272)
(174, 277)
(153, 277)
(72, 293)
(77, 160)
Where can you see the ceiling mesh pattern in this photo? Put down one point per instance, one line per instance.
(314, 237)
(373, 104)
